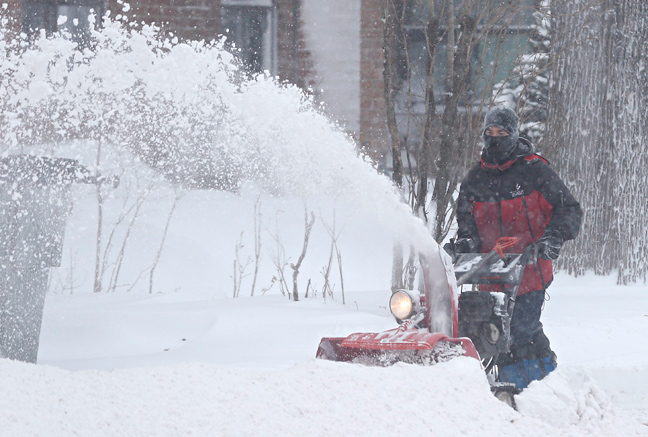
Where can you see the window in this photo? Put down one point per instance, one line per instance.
(250, 28)
(76, 21)
(491, 59)
(56, 15)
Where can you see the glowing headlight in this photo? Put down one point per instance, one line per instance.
(404, 304)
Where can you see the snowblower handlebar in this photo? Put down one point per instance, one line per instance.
(502, 244)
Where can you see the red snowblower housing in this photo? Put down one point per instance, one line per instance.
(429, 330)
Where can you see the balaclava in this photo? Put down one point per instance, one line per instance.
(498, 150)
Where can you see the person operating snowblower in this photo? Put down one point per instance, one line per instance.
(513, 192)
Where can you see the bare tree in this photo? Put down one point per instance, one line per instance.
(326, 271)
(334, 234)
(257, 242)
(434, 116)
(97, 277)
(308, 226)
(338, 253)
(393, 11)
(179, 195)
(239, 269)
(279, 261)
(106, 260)
(114, 278)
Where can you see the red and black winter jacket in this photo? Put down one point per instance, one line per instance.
(521, 198)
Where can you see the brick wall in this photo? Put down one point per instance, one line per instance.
(373, 118)
(294, 62)
(186, 19)
(200, 19)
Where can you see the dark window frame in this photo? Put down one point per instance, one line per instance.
(39, 15)
(414, 29)
(255, 44)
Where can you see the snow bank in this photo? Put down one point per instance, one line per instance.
(178, 363)
(315, 398)
(574, 401)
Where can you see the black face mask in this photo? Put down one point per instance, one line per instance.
(498, 150)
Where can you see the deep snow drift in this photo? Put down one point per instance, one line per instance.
(164, 349)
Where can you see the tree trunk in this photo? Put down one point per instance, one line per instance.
(457, 83)
(425, 152)
(597, 128)
(97, 276)
(390, 79)
(390, 76)
(308, 227)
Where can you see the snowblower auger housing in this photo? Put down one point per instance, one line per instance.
(438, 324)
(428, 331)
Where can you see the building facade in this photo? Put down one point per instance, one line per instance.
(331, 48)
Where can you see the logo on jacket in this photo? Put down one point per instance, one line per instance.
(518, 191)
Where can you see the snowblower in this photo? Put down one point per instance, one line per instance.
(438, 323)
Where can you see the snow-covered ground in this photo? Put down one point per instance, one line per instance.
(184, 363)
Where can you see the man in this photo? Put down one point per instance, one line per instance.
(513, 192)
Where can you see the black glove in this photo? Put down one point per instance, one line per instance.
(461, 245)
(549, 245)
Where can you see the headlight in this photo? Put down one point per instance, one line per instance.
(404, 304)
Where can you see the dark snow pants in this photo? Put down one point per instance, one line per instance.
(531, 357)
(528, 339)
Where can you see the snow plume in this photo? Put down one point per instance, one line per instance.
(181, 107)
(158, 111)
